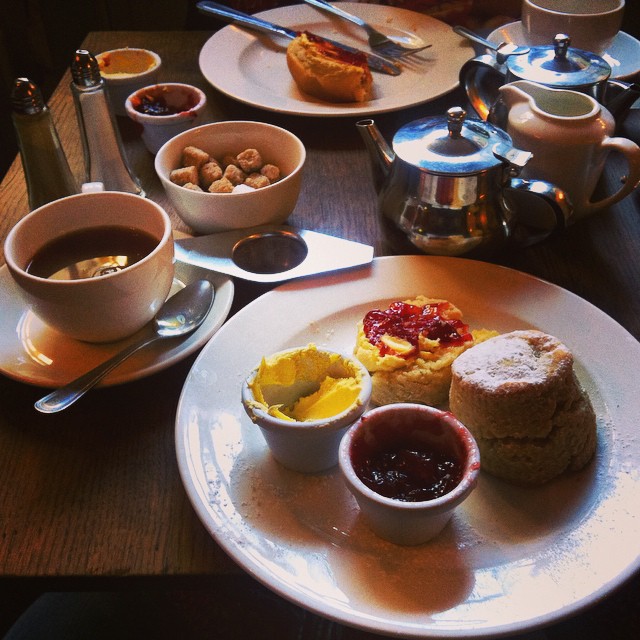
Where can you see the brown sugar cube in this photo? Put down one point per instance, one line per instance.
(183, 175)
(249, 160)
(194, 157)
(192, 187)
(271, 171)
(221, 186)
(209, 172)
(257, 181)
(234, 174)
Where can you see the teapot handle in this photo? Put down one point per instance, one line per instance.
(535, 223)
(481, 77)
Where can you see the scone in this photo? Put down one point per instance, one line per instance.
(408, 349)
(326, 72)
(519, 396)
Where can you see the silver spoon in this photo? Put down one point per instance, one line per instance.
(503, 50)
(181, 314)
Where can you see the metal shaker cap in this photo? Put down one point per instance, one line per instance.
(26, 97)
(451, 144)
(85, 70)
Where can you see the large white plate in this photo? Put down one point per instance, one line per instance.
(623, 56)
(512, 559)
(252, 68)
(32, 352)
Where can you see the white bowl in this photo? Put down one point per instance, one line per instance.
(399, 428)
(103, 308)
(208, 212)
(308, 445)
(185, 101)
(125, 70)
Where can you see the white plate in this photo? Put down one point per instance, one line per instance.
(32, 352)
(512, 559)
(252, 67)
(623, 57)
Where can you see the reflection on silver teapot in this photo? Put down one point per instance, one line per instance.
(557, 66)
(446, 182)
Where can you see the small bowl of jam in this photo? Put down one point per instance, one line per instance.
(408, 466)
(303, 400)
(165, 110)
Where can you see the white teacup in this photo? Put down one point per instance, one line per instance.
(592, 26)
(107, 306)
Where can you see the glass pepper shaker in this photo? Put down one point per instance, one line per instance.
(105, 159)
(44, 163)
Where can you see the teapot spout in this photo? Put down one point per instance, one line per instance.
(381, 154)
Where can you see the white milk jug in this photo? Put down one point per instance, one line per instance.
(569, 135)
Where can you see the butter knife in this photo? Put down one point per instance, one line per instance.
(376, 62)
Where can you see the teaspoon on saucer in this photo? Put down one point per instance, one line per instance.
(181, 314)
(503, 50)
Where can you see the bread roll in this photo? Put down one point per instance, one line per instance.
(324, 71)
(519, 396)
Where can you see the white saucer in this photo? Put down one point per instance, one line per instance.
(34, 353)
(623, 57)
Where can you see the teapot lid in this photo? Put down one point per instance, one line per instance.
(560, 66)
(451, 144)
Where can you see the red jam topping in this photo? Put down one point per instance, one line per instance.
(409, 474)
(157, 105)
(336, 53)
(409, 322)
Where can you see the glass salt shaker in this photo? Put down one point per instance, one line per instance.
(44, 163)
(105, 158)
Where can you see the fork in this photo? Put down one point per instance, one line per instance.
(388, 46)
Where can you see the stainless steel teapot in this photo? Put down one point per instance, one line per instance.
(556, 66)
(450, 183)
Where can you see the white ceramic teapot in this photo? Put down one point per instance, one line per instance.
(569, 134)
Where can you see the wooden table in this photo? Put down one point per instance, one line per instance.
(92, 496)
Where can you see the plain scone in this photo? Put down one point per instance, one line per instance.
(519, 396)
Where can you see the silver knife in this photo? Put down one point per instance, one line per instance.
(376, 62)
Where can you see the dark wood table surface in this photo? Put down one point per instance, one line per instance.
(92, 496)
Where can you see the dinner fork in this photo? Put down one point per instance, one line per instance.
(388, 46)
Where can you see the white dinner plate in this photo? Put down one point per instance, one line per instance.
(34, 353)
(511, 559)
(251, 67)
(623, 56)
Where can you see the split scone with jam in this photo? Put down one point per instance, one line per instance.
(409, 347)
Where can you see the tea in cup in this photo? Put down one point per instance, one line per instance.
(95, 266)
(592, 26)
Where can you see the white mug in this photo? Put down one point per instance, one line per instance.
(591, 24)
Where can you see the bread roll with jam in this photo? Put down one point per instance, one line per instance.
(327, 72)
(519, 396)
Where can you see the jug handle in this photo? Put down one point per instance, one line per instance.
(531, 226)
(631, 152)
(477, 72)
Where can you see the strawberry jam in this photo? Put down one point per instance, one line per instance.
(409, 322)
(410, 474)
(336, 53)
